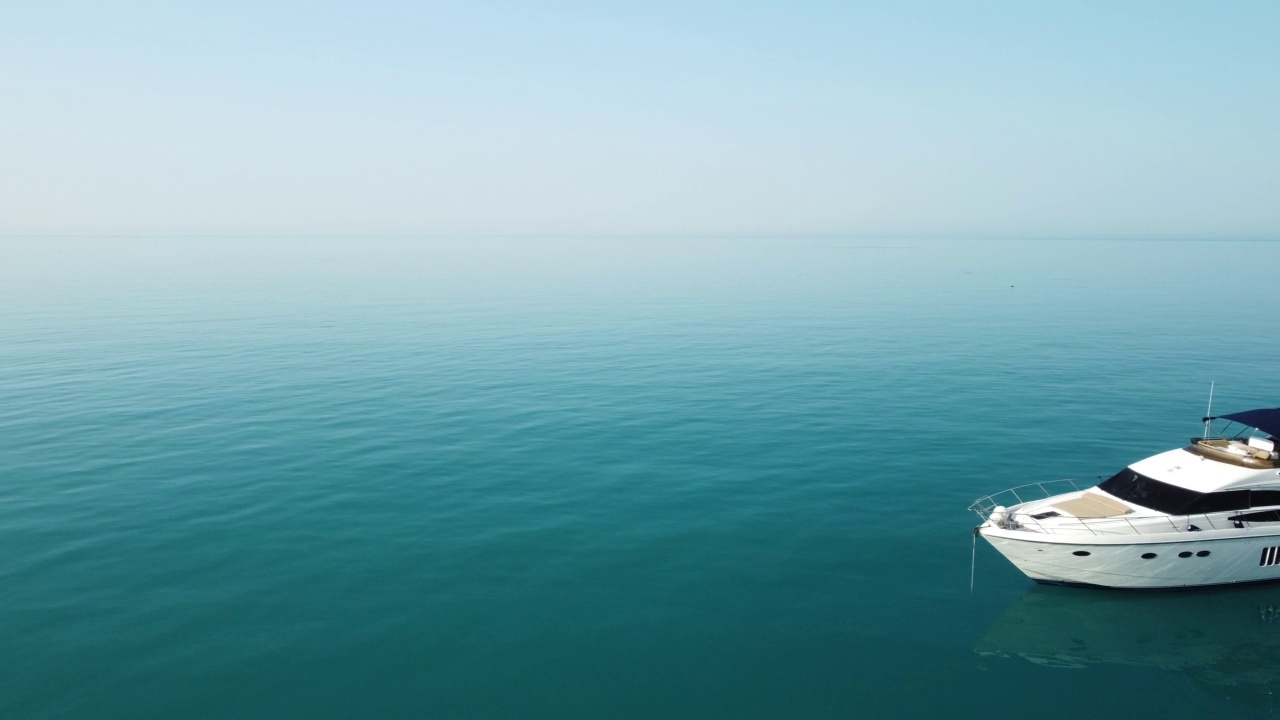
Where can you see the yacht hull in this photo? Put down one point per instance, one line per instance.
(1174, 560)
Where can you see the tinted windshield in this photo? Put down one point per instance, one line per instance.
(1148, 492)
(1136, 488)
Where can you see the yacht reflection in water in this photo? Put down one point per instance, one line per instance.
(1225, 639)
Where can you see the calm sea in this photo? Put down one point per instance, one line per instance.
(602, 478)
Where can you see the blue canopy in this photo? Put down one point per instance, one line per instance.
(1265, 419)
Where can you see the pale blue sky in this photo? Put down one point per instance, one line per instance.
(912, 119)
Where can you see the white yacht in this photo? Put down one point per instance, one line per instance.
(1205, 514)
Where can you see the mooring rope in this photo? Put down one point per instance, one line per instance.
(973, 559)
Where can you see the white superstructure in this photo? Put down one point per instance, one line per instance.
(1206, 514)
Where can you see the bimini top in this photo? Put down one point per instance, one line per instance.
(1265, 419)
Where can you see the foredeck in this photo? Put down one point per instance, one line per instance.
(1092, 513)
(1093, 505)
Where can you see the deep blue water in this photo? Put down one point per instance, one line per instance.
(607, 478)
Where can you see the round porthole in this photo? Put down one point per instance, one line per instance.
(1203, 553)
(1148, 556)
(1081, 553)
(1185, 553)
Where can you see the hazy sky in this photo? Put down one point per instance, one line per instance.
(947, 119)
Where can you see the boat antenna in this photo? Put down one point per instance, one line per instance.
(1208, 413)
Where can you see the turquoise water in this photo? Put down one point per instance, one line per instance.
(625, 479)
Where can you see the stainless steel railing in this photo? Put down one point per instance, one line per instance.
(1114, 525)
(1023, 494)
